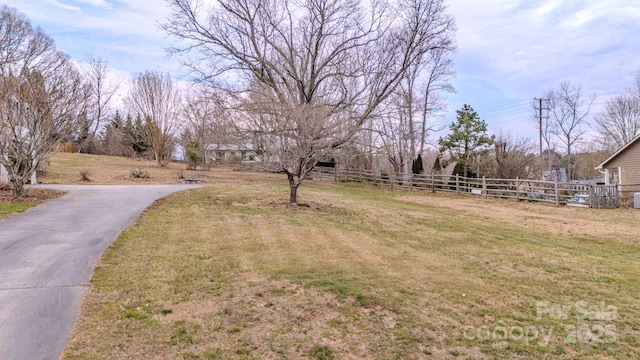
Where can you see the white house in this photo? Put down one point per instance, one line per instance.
(244, 153)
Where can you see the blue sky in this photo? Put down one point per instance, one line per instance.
(509, 51)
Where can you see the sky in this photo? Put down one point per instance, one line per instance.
(509, 51)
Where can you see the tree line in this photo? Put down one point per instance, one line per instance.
(46, 99)
(564, 119)
(299, 82)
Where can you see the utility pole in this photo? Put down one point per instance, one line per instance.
(540, 127)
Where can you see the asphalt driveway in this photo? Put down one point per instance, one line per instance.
(47, 256)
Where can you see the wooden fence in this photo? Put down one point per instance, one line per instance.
(64, 148)
(519, 189)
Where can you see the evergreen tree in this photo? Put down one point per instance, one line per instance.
(134, 130)
(417, 166)
(468, 138)
(437, 168)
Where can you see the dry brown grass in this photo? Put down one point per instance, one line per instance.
(230, 271)
(69, 169)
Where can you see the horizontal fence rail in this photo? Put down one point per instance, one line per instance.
(558, 193)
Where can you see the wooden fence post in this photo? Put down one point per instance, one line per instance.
(433, 185)
(517, 189)
(484, 186)
(457, 184)
(557, 193)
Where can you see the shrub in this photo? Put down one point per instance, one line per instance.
(140, 174)
(85, 175)
(193, 156)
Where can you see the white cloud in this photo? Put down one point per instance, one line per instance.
(98, 3)
(60, 5)
(511, 51)
(524, 47)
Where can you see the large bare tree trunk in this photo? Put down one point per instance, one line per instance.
(293, 193)
(294, 184)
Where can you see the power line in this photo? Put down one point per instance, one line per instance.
(497, 107)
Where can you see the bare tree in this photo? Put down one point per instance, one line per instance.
(568, 110)
(439, 69)
(514, 156)
(395, 131)
(156, 97)
(418, 99)
(619, 122)
(206, 123)
(317, 69)
(41, 97)
(102, 89)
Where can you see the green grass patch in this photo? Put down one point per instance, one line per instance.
(9, 208)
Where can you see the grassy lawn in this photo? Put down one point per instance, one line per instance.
(9, 208)
(231, 272)
(66, 169)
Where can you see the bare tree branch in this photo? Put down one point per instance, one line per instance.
(41, 97)
(619, 122)
(156, 97)
(568, 109)
(308, 74)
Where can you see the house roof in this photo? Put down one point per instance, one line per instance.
(622, 149)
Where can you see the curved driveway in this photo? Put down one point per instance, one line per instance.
(47, 255)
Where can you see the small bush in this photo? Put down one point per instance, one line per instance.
(140, 174)
(85, 175)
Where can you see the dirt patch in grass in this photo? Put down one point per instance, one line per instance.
(279, 318)
(257, 319)
(31, 195)
(280, 204)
